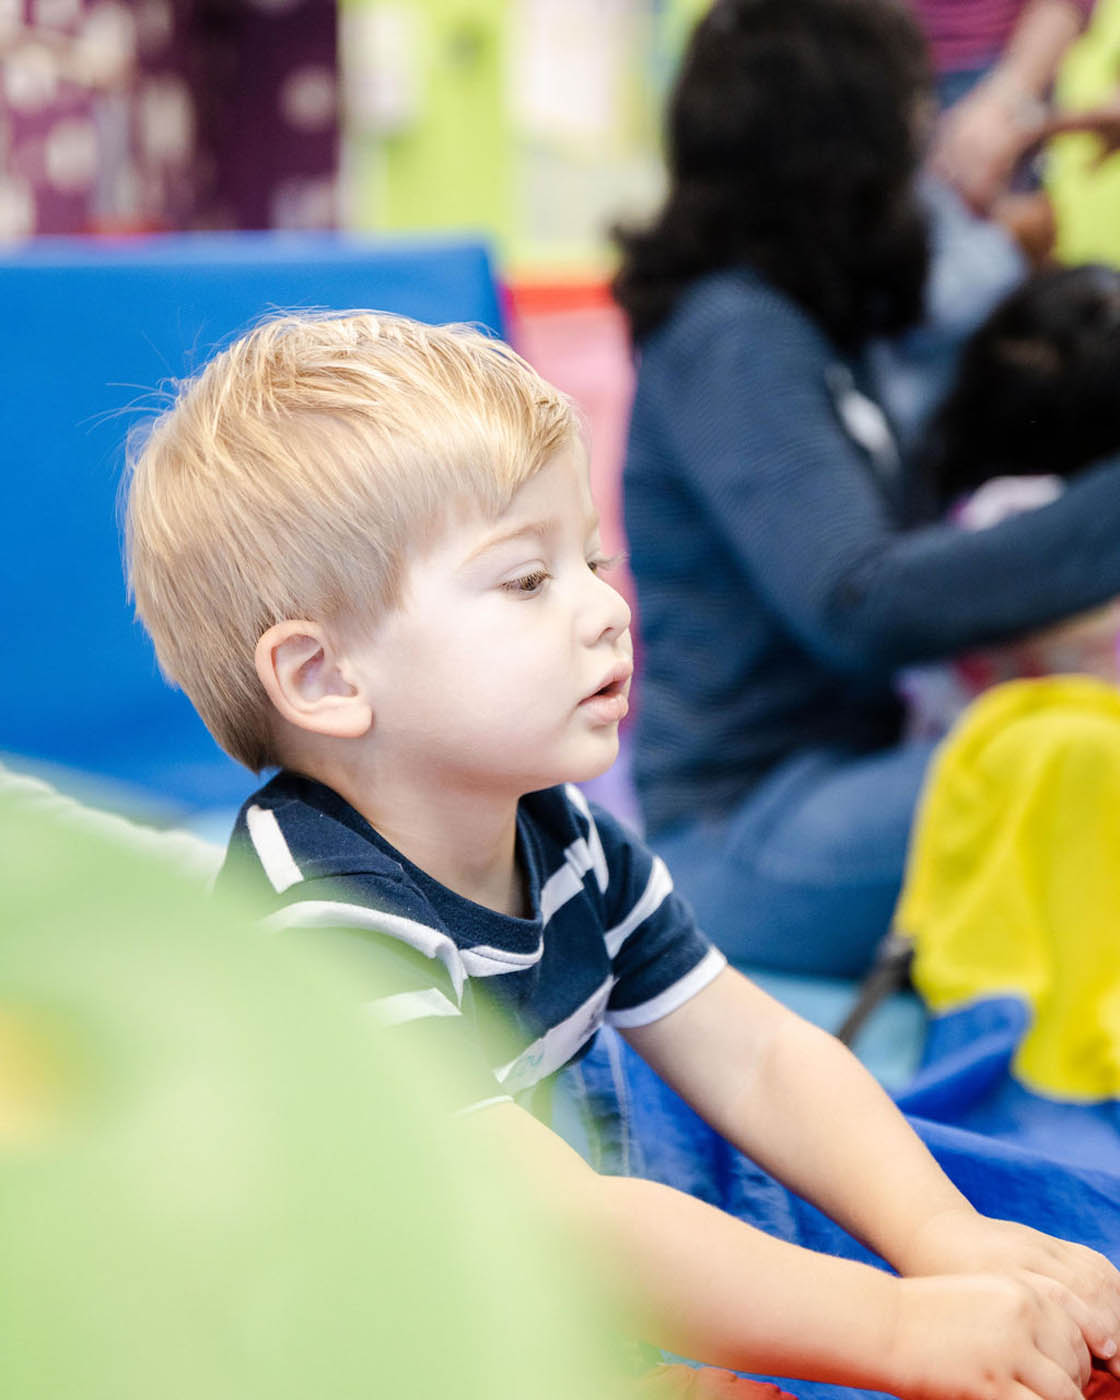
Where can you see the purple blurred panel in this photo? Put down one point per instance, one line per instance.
(191, 114)
(271, 114)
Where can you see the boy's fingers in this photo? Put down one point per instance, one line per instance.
(1047, 1380)
(1105, 1281)
(1059, 1336)
(1098, 1320)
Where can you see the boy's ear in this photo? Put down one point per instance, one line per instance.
(308, 682)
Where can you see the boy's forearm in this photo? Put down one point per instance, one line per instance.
(722, 1292)
(801, 1105)
(695, 1280)
(818, 1120)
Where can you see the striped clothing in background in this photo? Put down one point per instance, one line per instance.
(966, 35)
(608, 940)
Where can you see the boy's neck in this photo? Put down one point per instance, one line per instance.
(465, 840)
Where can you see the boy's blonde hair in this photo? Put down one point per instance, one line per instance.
(293, 476)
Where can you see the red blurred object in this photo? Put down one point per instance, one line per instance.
(576, 337)
(1103, 1385)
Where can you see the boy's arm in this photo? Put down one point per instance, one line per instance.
(802, 1106)
(712, 1288)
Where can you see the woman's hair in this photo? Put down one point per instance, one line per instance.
(298, 474)
(794, 136)
(1037, 390)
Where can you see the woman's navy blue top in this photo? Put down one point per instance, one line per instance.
(778, 590)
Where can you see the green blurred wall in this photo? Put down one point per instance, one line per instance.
(455, 155)
(449, 168)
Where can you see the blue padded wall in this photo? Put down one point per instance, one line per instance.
(88, 329)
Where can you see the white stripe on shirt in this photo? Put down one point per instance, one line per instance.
(412, 1006)
(328, 913)
(272, 850)
(557, 1046)
(594, 845)
(482, 1103)
(567, 880)
(659, 885)
(706, 970)
(484, 961)
(563, 884)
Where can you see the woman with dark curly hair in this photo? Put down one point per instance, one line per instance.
(780, 586)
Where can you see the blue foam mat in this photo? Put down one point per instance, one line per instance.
(90, 329)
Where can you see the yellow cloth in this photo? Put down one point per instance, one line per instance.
(1013, 879)
(1085, 193)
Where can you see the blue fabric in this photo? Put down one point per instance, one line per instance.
(1016, 1156)
(966, 1080)
(803, 876)
(90, 329)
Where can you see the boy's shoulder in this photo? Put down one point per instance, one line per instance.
(294, 830)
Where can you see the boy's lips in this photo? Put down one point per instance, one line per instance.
(608, 702)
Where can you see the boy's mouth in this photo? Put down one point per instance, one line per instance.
(609, 702)
(617, 682)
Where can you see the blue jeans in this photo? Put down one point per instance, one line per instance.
(804, 875)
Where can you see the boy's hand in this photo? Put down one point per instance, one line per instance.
(1080, 1280)
(984, 1337)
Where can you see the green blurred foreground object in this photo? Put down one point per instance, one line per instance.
(218, 1180)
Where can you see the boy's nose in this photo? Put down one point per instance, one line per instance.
(609, 614)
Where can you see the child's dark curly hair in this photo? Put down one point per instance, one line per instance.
(1037, 390)
(794, 133)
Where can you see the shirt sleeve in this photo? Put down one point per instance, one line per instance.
(659, 958)
(751, 416)
(408, 974)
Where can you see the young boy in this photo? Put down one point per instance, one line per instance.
(367, 550)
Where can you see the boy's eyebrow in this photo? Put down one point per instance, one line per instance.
(535, 529)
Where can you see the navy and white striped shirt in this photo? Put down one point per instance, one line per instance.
(608, 940)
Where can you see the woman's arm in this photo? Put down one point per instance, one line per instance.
(747, 413)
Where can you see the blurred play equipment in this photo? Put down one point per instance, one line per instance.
(218, 1178)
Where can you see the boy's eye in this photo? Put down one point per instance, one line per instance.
(600, 563)
(528, 584)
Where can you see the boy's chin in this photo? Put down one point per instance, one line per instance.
(595, 765)
(588, 762)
